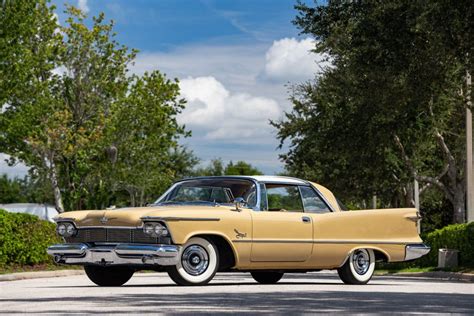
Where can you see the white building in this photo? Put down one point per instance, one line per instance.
(43, 211)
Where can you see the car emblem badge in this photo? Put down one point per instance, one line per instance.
(239, 234)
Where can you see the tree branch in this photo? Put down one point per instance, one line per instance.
(425, 179)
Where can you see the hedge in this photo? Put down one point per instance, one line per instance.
(456, 236)
(24, 239)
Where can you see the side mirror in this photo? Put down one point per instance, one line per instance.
(239, 203)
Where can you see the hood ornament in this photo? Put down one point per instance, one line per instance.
(105, 219)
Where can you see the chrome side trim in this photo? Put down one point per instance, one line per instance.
(415, 251)
(276, 241)
(361, 242)
(170, 218)
(322, 241)
(118, 254)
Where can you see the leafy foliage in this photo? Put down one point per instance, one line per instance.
(24, 239)
(216, 168)
(99, 134)
(388, 109)
(24, 191)
(457, 236)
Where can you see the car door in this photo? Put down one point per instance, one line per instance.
(281, 232)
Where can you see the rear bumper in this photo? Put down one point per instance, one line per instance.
(416, 251)
(120, 254)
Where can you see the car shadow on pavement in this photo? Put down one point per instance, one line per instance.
(260, 302)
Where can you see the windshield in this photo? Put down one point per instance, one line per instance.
(210, 191)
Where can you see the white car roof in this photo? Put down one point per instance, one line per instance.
(266, 179)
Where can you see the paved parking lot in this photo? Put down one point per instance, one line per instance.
(238, 293)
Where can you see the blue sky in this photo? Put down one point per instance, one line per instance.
(235, 60)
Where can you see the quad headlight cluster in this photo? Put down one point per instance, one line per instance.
(155, 229)
(65, 229)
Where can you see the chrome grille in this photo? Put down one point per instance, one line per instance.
(91, 235)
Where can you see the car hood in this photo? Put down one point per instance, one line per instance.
(131, 216)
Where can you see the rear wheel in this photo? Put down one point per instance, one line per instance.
(267, 277)
(358, 268)
(198, 263)
(108, 276)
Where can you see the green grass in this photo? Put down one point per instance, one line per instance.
(424, 269)
(35, 268)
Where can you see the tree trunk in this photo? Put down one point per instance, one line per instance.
(459, 204)
(58, 201)
(132, 197)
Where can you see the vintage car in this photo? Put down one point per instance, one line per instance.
(265, 225)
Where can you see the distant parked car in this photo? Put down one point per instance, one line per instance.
(264, 225)
(43, 211)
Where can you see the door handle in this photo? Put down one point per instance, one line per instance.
(306, 219)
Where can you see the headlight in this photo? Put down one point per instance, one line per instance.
(148, 229)
(155, 229)
(66, 229)
(70, 230)
(61, 229)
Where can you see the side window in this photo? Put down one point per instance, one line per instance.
(283, 198)
(312, 202)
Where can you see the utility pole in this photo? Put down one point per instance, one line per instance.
(469, 160)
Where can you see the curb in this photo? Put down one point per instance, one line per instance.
(442, 275)
(38, 275)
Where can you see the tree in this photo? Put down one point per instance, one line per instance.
(216, 168)
(241, 168)
(82, 121)
(388, 110)
(24, 190)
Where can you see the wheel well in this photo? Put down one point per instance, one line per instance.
(380, 256)
(226, 254)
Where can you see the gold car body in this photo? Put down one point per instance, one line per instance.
(264, 240)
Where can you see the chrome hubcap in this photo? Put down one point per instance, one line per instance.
(195, 260)
(361, 261)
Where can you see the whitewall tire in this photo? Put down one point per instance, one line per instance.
(359, 267)
(198, 263)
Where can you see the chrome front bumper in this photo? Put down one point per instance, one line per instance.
(120, 254)
(416, 251)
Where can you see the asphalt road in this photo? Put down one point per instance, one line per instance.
(238, 293)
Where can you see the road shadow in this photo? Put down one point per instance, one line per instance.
(262, 302)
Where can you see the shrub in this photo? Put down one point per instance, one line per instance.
(456, 236)
(24, 239)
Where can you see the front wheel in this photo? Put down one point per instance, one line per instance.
(358, 268)
(199, 260)
(109, 276)
(267, 277)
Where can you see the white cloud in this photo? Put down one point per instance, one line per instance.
(289, 59)
(223, 115)
(82, 4)
(19, 170)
